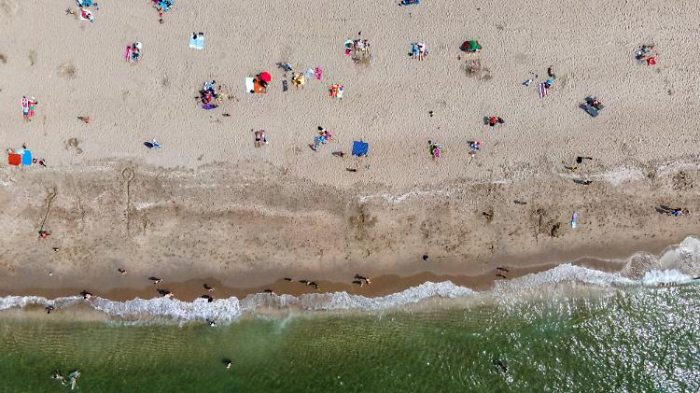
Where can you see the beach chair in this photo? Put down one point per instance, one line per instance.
(589, 109)
(589, 101)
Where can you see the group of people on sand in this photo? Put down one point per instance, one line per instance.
(321, 139)
(210, 95)
(359, 47)
(133, 52)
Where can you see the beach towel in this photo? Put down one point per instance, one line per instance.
(197, 41)
(340, 92)
(127, 53)
(209, 106)
(591, 110)
(318, 73)
(14, 159)
(249, 85)
(26, 157)
(409, 2)
(360, 148)
(86, 15)
(542, 87)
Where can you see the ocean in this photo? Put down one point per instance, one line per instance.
(569, 329)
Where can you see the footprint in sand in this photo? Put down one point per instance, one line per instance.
(9, 7)
(67, 70)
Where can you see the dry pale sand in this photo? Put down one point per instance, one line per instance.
(209, 204)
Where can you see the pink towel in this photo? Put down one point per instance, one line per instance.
(543, 90)
(319, 73)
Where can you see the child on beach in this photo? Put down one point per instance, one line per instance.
(28, 105)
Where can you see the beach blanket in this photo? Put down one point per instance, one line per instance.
(14, 159)
(26, 156)
(249, 85)
(86, 15)
(542, 87)
(197, 41)
(252, 85)
(360, 148)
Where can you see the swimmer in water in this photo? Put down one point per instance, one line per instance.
(502, 367)
(85, 294)
(228, 363)
(57, 375)
(211, 322)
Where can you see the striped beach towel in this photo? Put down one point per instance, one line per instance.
(542, 89)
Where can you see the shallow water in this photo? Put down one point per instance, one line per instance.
(569, 338)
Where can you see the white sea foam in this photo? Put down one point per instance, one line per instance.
(678, 264)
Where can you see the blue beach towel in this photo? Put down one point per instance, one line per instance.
(26, 157)
(360, 148)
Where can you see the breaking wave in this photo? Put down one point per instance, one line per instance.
(677, 265)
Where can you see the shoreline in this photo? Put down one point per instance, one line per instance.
(381, 285)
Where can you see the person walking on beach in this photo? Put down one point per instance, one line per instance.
(155, 280)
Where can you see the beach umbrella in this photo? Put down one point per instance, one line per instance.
(265, 77)
(471, 46)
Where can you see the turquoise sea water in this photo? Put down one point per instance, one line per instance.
(579, 340)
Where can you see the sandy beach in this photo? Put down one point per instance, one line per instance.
(210, 205)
